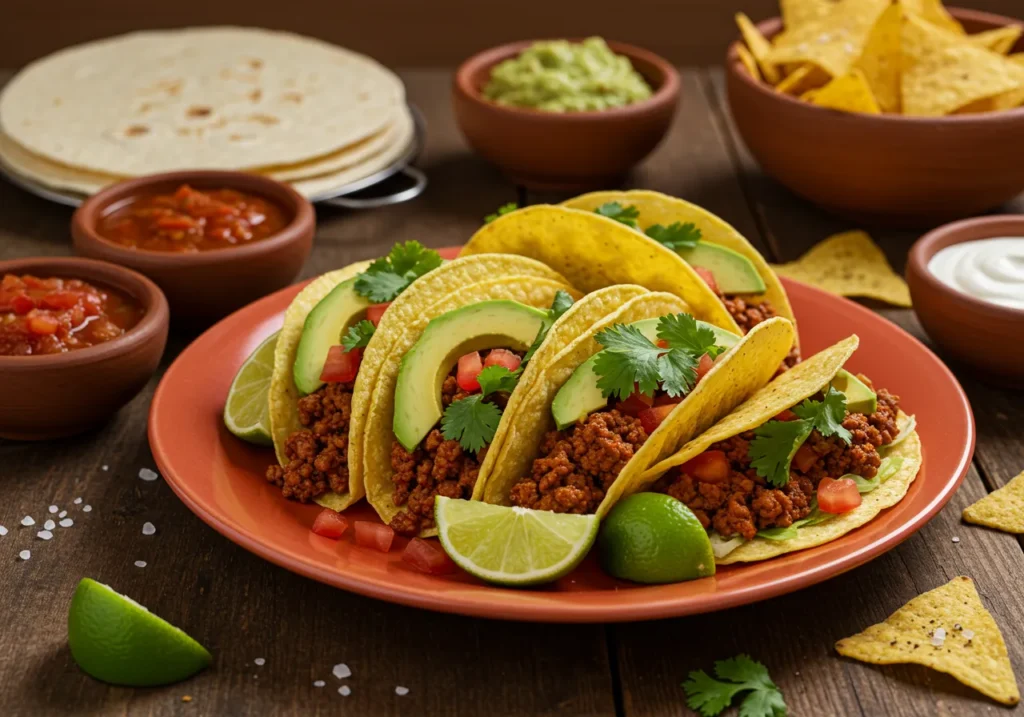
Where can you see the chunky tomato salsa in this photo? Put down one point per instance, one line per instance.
(190, 220)
(52, 316)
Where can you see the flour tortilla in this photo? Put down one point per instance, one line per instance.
(195, 98)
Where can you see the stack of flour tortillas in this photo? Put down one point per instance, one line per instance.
(291, 107)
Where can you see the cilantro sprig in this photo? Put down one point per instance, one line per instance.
(473, 421)
(624, 214)
(630, 359)
(559, 305)
(357, 336)
(501, 211)
(737, 675)
(675, 236)
(388, 277)
(776, 442)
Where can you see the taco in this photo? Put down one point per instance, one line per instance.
(337, 336)
(621, 397)
(813, 455)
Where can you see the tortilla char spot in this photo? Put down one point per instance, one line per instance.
(364, 96)
(184, 131)
(256, 95)
(295, 97)
(265, 119)
(256, 64)
(57, 101)
(199, 111)
(136, 130)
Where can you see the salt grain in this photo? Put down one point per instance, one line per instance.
(260, 662)
(344, 690)
(63, 514)
(939, 636)
(53, 509)
(401, 691)
(3, 531)
(968, 634)
(341, 671)
(86, 508)
(44, 535)
(148, 475)
(319, 683)
(106, 468)
(77, 501)
(140, 563)
(148, 528)
(28, 520)
(25, 554)
(66, 523)
(956, 540)
(49, 525)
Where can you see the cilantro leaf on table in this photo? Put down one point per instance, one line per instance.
(497, 378)
(628, 358)
(501, 211)
(358, 335)
(676, 235)
(472, 422)
(624, 214)
(559, 305)
(826, 415)
(773, 448)
(388, 277)
(740, 674)
(681, 331)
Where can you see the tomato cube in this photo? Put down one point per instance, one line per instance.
(838, 496)
(804, 458)
(374, 535)
(652, 417)
(42, 324)
(709, 466)
(330, 524)
(635, 403)
(705, 365)
(470, 367)
(374, 312)
(502, 357)
(341, 366)
(708, 278)
(428, 557)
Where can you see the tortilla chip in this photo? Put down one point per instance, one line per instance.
(796, 13)
(972, 651)
(935, 13)
(748, 61)
(849, 264)
(1002, 509)
(759, 47)
(849, 93)
(955, 77)
(1001, 39)
(1017, 58)
(881, 59)
(832, 42)
(802, 80)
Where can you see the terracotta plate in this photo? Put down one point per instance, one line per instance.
(221, 480)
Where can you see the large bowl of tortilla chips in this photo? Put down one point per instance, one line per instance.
(875, 136)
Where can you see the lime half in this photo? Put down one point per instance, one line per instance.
(247, 411)
(654, 538)
(513, 546)
(116, 640)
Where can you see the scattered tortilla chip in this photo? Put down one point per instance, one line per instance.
(748, 61)
(935, 13)
(802, 80)
(952, 77)
(849, 264)
(1001, 39)
(759, 47)
(1002, 509)
(881, 59)
(947, 629)
(850, 93)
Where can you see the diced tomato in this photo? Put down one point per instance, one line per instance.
(374, 535)
(838, 496)
(375, 311)
(804, 458)
(341, 366)
(705, 365)
(60, 300)
(708, 277)
(786, 415)
(22, 304)
(710, 466)
(666, 400)
(428, 557)
(42, 324)
(502, 357)
(330, 524)
(635, 403)
(661, 344)
(176, 223)
(470, 367)
(652, 417)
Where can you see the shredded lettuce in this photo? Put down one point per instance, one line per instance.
(723, 546)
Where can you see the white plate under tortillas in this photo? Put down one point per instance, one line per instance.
(219, 98)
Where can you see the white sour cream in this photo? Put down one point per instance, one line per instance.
(991, 270)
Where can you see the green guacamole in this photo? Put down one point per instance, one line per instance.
(562, 76)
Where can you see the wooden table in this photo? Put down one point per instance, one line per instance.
(243, 608)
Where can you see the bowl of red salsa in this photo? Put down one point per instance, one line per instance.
(78, 340)
(214, 241)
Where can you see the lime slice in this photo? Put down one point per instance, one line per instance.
(116, 640)
(247, 411)
(512, 546)
(654, 538)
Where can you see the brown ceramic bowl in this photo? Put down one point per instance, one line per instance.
(987, 336)
(56, 395)
(569, 151)
(205, 286)
(888, 169)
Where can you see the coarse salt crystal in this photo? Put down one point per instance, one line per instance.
(968, 634)
(341, 671)
(86, 508)
(148, 475)
(956, 540)
(66, 523)
(344, 690)
(25, 554)
(3, 530)
(53, 509)
(401, 691)
(140, 563)
(319, 683)
(106, 468)
(28, 520)
(49, 525)
(939, 636)
(63, 514)
(44, 535)
(77, 501)
(148, 528)
(260, 662)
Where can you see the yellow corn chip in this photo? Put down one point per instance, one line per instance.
(935, 13)
(1009, 100)
(920, 39)
(800, 12)
(759, 47)
(1017, 58)
(748, 61)
(946, 629)
(880, 60)
(1000, 40)
(833, 41)
(1001, 509)
(850, 93)
(802, 80)
(849, 264)
(943, 81)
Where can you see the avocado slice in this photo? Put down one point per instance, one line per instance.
(859, 398)
(733, 272)
(579, 396)
(501, 323)
(323, 328)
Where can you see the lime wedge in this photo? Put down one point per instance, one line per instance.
(512, 546)
(116, 640)
(247, 411)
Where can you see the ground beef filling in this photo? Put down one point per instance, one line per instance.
(578, 465)
(745, 503)
(317, 454)
(748, 315)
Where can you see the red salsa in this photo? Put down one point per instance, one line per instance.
(190, 220)
(52, 316)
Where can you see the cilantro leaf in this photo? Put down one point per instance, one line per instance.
(388, 277)
(763, 703)
(678, 370)
(628, 358)
(497, 378)
(559, 305)
(774, 446)
(472, 422)
(681, 331)
(827, 415)
(707, 695)
(676, 235)
(501, 211)
(357, 336)
(623, 214)
(740, 674)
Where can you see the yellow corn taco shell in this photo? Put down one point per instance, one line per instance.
(593, 252)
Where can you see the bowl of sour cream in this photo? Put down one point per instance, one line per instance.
(967, 283)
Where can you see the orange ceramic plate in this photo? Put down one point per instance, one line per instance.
(221, 480)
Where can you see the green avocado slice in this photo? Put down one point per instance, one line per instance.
(324, 327)
(733, 272)
(859, 398)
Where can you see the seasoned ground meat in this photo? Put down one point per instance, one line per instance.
(318, 454)
(579, 464)
(748, 315)
(745, 503)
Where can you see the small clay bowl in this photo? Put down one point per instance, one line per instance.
(985, 335)
(884, 169)
(205, 286)
(564, 151)
(57, 395)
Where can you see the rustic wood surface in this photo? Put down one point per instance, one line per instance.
(243, 608)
